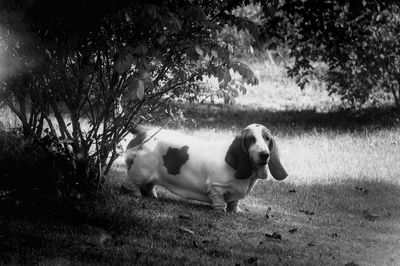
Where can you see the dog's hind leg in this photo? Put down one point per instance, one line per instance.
(132, 189)
(148, 190)
(233, 206)
(217, 200)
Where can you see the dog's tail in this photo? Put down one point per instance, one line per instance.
(134, 145)
(137, 129)
(140, 135)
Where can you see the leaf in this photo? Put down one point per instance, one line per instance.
(119, 67)
(171, 22)
(136, 89)
(242, 89)
(198, 50)
(245, 72)
(251, 50)
(252, 29)
(140, 49)
(274, 235)
(186, 230)
(370, 216)
(161, 40)
(223, 53)
(230, 49)
(140, 90)
(227, 77)
(232, 99)
(234, 92)
(196, 14)
(192, 54)
(306, 212)
(272, 46)
(125, 62)
(152, 10)
(219, 73)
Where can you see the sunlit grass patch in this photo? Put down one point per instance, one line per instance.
(331, 157)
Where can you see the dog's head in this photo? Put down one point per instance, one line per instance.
(253, 151)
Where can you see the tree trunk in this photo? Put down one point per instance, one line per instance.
(396, 95)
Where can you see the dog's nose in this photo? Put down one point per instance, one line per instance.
(264, 155)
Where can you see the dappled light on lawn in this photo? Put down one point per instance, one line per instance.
(327, 157)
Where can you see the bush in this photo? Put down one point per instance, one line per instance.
(38, 169)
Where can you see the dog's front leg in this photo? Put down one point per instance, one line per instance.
(131, 189)
(233, 206)
(217, 199)
(148, 191)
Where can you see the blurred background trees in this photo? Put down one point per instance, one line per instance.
(354, 42)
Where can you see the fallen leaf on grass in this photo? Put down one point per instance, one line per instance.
(214, 252)
(352, 263)
(274, 235)
(252, 260)
(363, 190)
(307, 212)
(267, 213)
(186, 230)
(370, 216)
(95, 235)
(184, 216)
(311, 243)
(104, 237)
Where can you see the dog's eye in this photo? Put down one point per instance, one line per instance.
(251, 139)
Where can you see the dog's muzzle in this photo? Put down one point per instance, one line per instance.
(261, 165)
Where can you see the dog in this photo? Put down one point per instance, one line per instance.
(219, 173)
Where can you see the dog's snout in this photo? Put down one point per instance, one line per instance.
(264, 155)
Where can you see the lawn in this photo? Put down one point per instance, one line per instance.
(340, 205)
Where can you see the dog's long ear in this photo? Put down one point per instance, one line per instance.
(239, 159)
(274, 164)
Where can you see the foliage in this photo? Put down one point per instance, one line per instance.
(90, 72)
(242, 37)
(44, 168)
(358, 40)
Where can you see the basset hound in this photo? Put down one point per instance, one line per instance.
(219, 173)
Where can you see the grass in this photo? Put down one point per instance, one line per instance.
(340, 204)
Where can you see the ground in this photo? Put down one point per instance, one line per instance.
(339, 206)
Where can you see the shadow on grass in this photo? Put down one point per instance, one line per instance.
(155, 229)
(288, 121)
(347, 197)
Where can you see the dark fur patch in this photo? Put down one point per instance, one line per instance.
(129, 162)
(239, 159)
(248, 139)
(175, 158)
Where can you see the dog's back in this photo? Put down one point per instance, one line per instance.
(173, 160)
